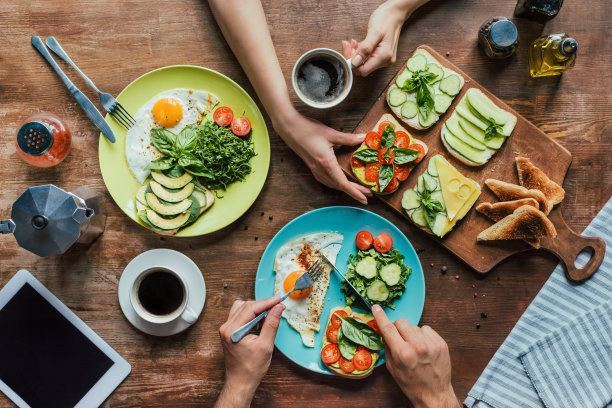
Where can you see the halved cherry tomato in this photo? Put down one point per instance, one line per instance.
(421, 149)
(364, 240)
(392, 184)
(402, 171)
(223, 116)
(335, 319)
(372, 139)
(362, 359)
(372, 324)
(330, 353)
(381, 156)
(402, 139)
(356, 163)
(346, 365)
(241, 126)
(371, 171)
(383, 243)
(332, 334)
(383, 125)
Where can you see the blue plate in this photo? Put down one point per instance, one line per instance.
(348, 221)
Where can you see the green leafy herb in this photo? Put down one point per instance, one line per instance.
(419, 83)
(367, 155)
(388, 137)
(385, 175)
(404, 155)
(430, 207)
(360, 333)
(346, 346)
(493, 130)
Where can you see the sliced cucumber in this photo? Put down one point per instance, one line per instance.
(429, 120)
(485, 106)
(479, 134)
(465, 150)
(418, 217)
(377, 291)
(452, 124)
(509, 126)
(437, 196)
(409, 109)
(431, 183)
(401, 78)
(410, 200)
(366, 267)
(437, 71)
(463, 109)
(391, 274)
(440, 223)
(431, 168)
(418, 62)
(442, 102)
(420, 184)
(451, 85)
(396, 97)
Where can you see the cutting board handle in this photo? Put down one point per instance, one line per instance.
(568, 244)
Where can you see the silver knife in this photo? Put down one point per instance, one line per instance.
(368, 304)
(82, 100)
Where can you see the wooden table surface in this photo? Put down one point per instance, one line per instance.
(115, 41)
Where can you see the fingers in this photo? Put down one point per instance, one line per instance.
(352, 189)
(405, 329)
(348, 139)
(270, 325)
(347, 50)
(252, 308)
(387, 329)
(366, 47)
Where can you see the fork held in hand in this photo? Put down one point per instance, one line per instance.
(303, 282)
(107, 101)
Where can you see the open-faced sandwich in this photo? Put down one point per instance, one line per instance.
(477, 129)
(442, 197)
(423, 91)
(352, 343)
(386, 156)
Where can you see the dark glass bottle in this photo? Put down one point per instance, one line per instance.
(538, 10)
(498, 37)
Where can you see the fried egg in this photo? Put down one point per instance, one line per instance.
(303, 308)
(173, 109)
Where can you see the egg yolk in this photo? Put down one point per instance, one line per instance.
(289, 283)
(167, 112)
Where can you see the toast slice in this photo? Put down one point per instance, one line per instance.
(497, 211)
(525, 222)
(508, 191)
(532, 177)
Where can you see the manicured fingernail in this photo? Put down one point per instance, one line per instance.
(278, 310)
(357, 59)
(376, 308)
(360, 136)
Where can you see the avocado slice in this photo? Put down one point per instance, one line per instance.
(166, 209)
(171, 196)
(359, 172)
(140, 194)
(167, 223)
(485, 107)
(169, 182)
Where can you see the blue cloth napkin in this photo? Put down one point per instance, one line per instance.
(554, 328)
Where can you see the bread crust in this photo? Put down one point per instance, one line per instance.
(532, 177)
(508, 192)
(499, 210)
(526, 222)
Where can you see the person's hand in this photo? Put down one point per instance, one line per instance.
(379, 48)
(247, 361)
(418, 360)
(314, 143)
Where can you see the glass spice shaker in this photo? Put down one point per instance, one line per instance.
(498, 38)
(43, 140)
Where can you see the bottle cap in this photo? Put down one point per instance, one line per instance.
(568, 47)
(503, 33)
(35, 138)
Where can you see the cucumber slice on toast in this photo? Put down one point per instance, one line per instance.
(417, 62)
(442, 102)
(451, 85)
(409, 110)
(396, 97)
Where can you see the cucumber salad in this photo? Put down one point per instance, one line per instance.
(423, 91)
(377, 271)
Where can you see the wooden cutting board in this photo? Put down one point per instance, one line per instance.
(527, 141)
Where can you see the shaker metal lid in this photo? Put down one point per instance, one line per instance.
(503, 33)
(35, 138)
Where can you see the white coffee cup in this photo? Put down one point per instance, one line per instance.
(182, 311)
(345, 77)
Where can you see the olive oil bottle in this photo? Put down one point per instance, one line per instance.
(551, 55)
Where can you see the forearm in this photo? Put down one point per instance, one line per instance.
(406, 7)
(235, 396)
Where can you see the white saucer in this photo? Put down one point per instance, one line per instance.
(176, 262)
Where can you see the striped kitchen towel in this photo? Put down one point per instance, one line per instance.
(563, 317)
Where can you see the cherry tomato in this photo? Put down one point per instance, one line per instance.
(332, 334)
(346, 365)
(402, 171)
(381, 156)
(223, 116)
(372, 139)
(392, 184)
(402, 139)
(421, 149)
(335, 320)
(241, 126)
(383, 125)
(330, 353)
(364, 240)
(383, 243)
(372, 324)
(371, 171)
(356, 163)
(362, 359)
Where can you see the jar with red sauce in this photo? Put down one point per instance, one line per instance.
(43, 140)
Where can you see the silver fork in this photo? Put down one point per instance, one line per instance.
(303, 282)
(107, 101)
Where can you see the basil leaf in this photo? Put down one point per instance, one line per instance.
(198, 169)
(388, 137)
(492, 130)
(346, 346)
(164, 140)
(367, 155)
(187, 139)
(360, 333)
(404, 155)
(188, 159)
(409, 85)
(430, 217)
(162, 163)
(175, 172)
(436, 206)
(385, 175)
(424, 101)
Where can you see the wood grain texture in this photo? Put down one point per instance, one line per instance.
(115, 41)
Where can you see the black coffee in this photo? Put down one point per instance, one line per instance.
(321, 78)
(160, 292)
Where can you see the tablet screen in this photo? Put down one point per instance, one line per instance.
(44, 358)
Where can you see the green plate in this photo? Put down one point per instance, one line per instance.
(122, 185)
